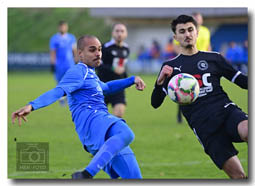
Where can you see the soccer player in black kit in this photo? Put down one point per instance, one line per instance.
(215, 120)
(114, 58)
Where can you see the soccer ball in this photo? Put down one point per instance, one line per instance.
(183, 88)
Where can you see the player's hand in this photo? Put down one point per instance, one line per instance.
(21, 113)
(119, 70)
(165, 73)
(140, 85)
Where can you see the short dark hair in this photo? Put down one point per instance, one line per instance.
(81, 43)
(62, 22)
(182, 19)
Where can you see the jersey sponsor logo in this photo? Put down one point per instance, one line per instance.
(202, 65)
(205, 86)
(176, 68)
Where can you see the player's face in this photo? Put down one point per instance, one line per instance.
(92, 53)
(63, 28)
(119, 33)
(186, 34)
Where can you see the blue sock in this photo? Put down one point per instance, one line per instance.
(119, 136)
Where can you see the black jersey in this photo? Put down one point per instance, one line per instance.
(112, 56)
(208, 68)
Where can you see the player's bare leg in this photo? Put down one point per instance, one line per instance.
(119, 110)
(243, 130)
(233, 168)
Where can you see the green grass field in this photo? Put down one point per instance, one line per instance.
(163, 148)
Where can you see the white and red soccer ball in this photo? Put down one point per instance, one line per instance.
(183, 88)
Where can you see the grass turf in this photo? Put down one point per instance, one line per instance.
(163, 148)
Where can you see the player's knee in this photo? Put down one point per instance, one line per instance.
(243, 130)
(128, 136)
(238, 175)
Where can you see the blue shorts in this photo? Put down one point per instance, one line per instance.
(124, 164)
(91, 126)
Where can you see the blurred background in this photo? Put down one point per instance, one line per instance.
(149, 33)
(165, 149)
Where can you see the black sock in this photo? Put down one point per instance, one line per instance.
(86, 174)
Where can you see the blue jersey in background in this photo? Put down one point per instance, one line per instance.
(63, 46)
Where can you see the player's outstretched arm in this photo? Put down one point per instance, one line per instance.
(115, 86)
(42, 101)
(21, 113)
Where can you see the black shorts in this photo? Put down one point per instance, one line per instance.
(116, 98)
(219, 145)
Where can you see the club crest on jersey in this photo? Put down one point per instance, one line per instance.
(202, 65)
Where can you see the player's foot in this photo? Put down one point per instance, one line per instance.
(82, 175)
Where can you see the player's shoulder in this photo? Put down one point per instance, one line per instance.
(54, 36)
(71, 35)
(79, 70)
(109, 44)
(172, 61)
(209, 53)
(204, 29)
(125, 45)
(112, 43)
(81, 66)
(212, 55)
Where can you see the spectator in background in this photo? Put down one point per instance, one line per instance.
(233, 55)
(115, 55)
(204, 35)
(63, 53)
(244, 57)
(155, 50)
(169, 51)
(143, 54)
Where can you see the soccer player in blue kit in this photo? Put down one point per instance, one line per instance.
(105, 136)
(216, 121)
(63, 51)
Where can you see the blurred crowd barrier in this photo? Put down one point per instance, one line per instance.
(41, 61)
(28, 61)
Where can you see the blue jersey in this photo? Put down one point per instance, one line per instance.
(63, 45)
(86, 102)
